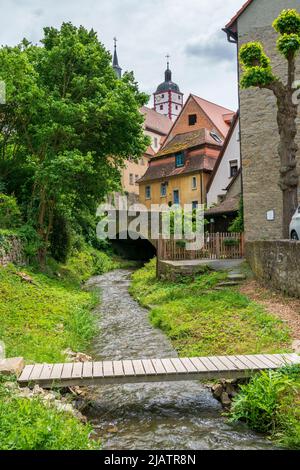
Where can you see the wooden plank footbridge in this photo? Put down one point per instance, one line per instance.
(151, 370)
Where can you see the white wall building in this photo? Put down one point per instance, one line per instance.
(168, 99)
(227, 166)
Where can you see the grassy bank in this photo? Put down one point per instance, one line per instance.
(41, 315)
(203, 321)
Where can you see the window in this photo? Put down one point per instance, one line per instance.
(179, 159)
(155, 142)
(192, 119)
(142, 161)
(161, 107)
(131, 179)
(179, 97)
(163, 189)
(162, 96)
(195, 204)
(194, 182)
(148, 192)
(215, 136)
(176, 106)
(136, 179)
(233, 168)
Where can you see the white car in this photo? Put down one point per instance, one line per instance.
(295, 226)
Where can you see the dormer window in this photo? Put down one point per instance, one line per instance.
(179, 159)
(192, 119)
(215, 136)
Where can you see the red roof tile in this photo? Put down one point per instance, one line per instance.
(230, 204)
(156, 121)
(165, 168)
(217, 114)
(188, 140)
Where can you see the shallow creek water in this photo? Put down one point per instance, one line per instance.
(179, 415)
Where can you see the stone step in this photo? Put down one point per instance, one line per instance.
(236, 277)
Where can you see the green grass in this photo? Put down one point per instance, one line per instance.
(200, 321)
(38, 321)
(270, 403)
(32, 425)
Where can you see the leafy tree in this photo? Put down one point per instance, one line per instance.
(68, 125)
(258, 73)
(237, 225)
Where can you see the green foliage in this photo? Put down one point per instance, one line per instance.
(288, 44)
(252, 55)
(237, 225)
(257, 76)
(10, 215)
(39, 320)
(288, 22)
(201, 321)
(270, 404)
(66, 114)
(32, 425)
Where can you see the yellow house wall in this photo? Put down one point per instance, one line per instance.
(183, 183)
(136, 169)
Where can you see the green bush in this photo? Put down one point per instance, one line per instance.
(270, 404)
(32, 425)
(10, 215)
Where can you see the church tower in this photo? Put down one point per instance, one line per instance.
(168, 99)
(116, 67)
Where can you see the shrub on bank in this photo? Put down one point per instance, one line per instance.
(270, 403)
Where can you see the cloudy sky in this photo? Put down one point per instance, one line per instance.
(202, 61)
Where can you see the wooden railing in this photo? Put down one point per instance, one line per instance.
(216, 246)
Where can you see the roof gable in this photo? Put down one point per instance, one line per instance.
(217, 114)
(155, 121)
(231, 24)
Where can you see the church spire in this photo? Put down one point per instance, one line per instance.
(168, 73)
(116, 67)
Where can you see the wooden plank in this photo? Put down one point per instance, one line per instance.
(118, 369)
(200, 366)
(77, 370)
(128, 368)
(268, 362)
(87, 371)
(188, 364)
(67, 370)
(248, 364)
(138, 367)
(148, 366)
(274, 359)
(230, 364)
(46, 372)
(219, 364)
(180, 369)
(56, 371)
(208, 364)
(169, 368)
(108, 370)
(258, 362)
(36, 371)
(98, 369)
(158, 366)
(24, 377)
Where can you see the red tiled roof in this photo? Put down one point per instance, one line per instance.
(150, 151)
(165, 168)
(188, 140)
(156, 121)
(238, 14)
(217, 114)
(230, 204)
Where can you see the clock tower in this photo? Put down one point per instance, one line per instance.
(168, 99)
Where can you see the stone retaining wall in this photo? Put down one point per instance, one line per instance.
(11, 250)
(277, 263)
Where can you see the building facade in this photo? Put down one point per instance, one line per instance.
(259, 132)
(180, 172)
(227, 166)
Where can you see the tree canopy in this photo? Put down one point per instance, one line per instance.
(67, 126)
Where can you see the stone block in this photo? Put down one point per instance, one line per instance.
(12, 366)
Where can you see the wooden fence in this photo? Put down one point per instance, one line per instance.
(216, 246)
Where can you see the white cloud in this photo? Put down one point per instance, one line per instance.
(147, 31)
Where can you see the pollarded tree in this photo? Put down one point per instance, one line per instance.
(258, 73)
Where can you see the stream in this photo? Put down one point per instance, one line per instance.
(159, 416)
